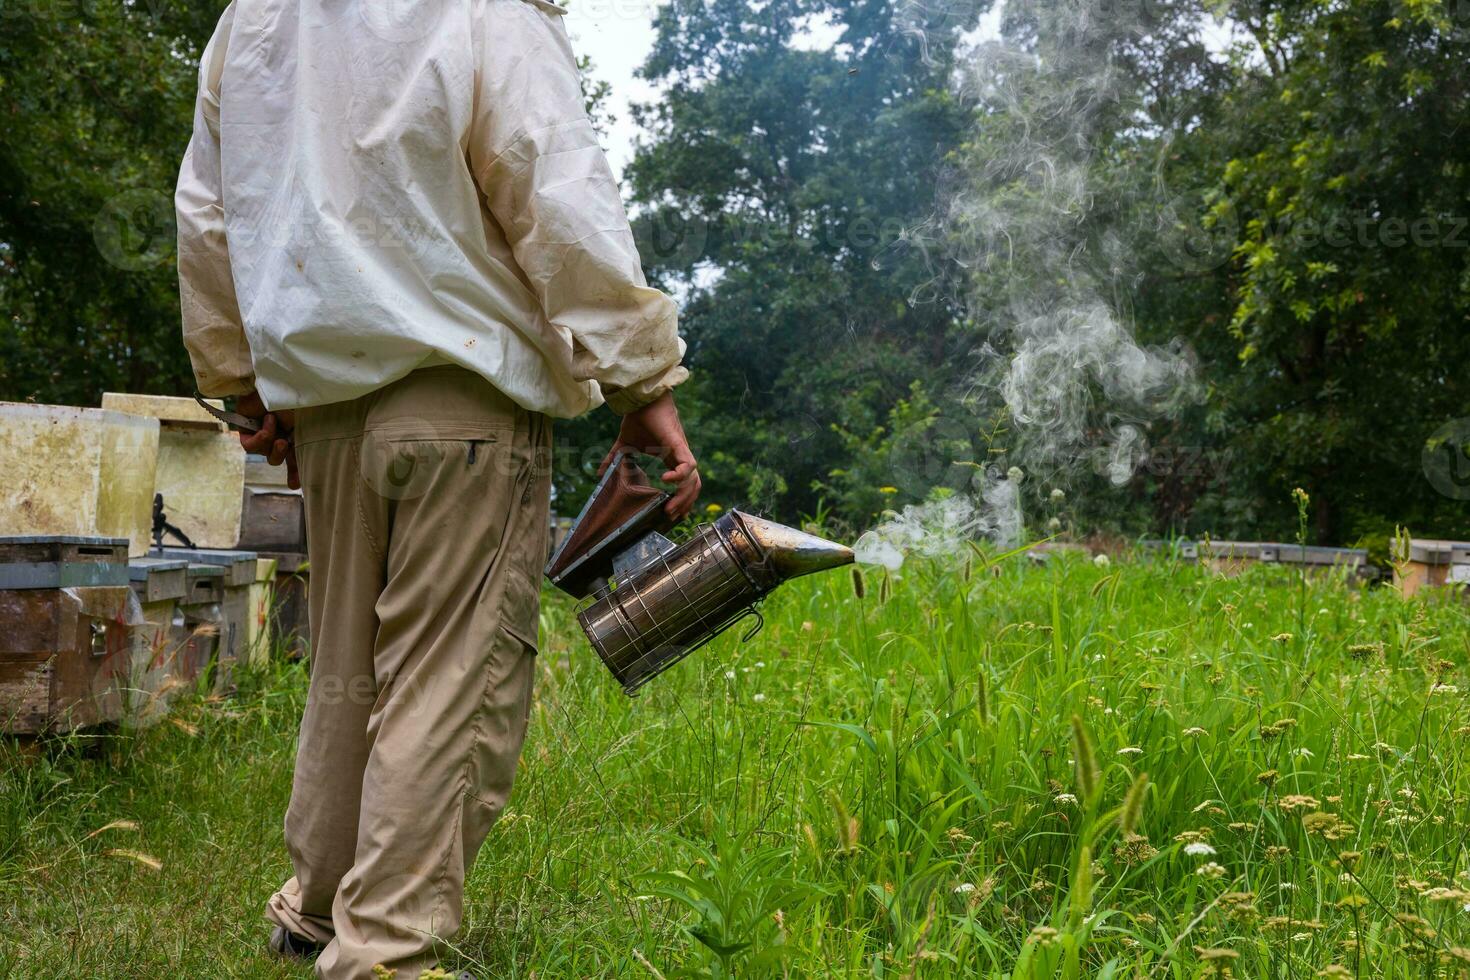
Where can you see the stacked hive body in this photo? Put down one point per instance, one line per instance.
(201, 467)
(159, 670)
(217, 609)
(67, 618)
(1431, 564)
(77, 472)
(96, 624)
(1234, 557)
(273, 524)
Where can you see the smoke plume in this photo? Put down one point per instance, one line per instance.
(1050, 260)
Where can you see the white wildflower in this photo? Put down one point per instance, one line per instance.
(1067, 798)
(1058, 495)
(1015, 474)
(1303, 753)
(729, 675)
(1195, 732)
(964, 888)
(1130, 750)
(1199, 849)
(1210, 870)
(1101, 561)
(757, 698)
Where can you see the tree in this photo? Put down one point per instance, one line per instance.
(1338, 151)
(779, 192)
(98, 103)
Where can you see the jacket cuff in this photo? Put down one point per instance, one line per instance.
(224, 387)
(630, 399)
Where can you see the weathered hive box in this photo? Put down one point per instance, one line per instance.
(200, 634)
(1352, 562)
(272, 515)
(1233, 557)
(66, 622)
(262, 598)
(290, 618)
(222, 599)
(159, 584)
(1175, 548)
(201, 467)
(1431, 564)
(77, 472)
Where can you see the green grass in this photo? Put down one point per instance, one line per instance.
(877, 786)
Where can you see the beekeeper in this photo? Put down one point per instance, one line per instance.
(400, 244)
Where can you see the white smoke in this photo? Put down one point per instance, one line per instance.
(1048, 281)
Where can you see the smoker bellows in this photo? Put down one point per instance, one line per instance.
(654, 602)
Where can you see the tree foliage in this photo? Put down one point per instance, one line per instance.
(1292, 204)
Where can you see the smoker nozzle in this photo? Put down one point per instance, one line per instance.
(790, 552)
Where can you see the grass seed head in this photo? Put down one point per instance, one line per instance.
(1088, 773)
(1133, 805)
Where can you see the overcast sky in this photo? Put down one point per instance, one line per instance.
(616, 35)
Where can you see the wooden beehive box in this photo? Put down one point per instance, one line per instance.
(262, 594)
(290, 620)
(1431, 564)
(201, 466)
(77, 472)
(228, 598)
(1233, 557)
(159, 584)
(66, 632)
(1349, 562)
(201, 636)
(272, 515)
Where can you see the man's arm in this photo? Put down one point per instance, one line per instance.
(537, 161)
(213, 332)
(536, 158)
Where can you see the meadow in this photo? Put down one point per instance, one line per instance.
(1023, 769)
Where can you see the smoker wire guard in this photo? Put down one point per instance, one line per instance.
(658, 666)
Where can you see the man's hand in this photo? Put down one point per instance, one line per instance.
(273, 441)
(655, 429)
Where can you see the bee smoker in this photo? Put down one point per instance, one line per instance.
(652, 602)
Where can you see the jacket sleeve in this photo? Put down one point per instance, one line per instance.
(536, 159)
(213, 332)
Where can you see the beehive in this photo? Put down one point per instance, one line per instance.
(159, 584)
(1431, 564)
(1350, 562)
(66, 649)
(201, 467)
(1233, 557)
(218, 600)
(78, 472)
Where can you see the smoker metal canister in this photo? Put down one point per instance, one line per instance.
(684, 598)
(678, 602)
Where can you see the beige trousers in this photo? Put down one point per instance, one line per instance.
(426, 508)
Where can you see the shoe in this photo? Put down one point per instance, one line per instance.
(284, 942)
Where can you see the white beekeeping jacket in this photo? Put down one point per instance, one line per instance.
(375, 185)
